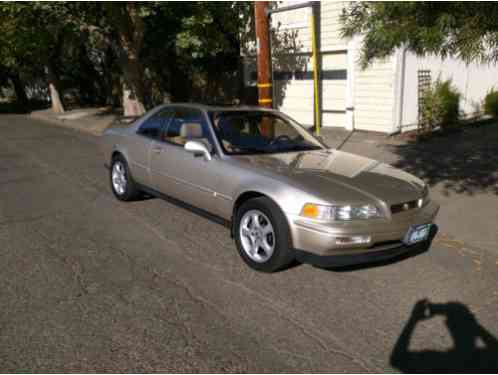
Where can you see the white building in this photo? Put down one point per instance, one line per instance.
(381, 98)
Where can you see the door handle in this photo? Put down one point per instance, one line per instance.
(157, 150)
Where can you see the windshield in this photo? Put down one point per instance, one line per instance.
(255, 132)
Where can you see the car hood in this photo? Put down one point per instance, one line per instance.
(338, 176)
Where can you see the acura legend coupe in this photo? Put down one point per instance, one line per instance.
(284, 193)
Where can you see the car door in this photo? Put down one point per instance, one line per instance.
(179, 173)
(139, 146)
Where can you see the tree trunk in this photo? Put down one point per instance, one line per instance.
(133, 88)
(131, 105)
(180, 84)
(130, 28)
(111, 80)
(92, 86)
(54, 89)
(21, 96)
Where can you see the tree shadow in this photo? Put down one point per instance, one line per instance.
(22, 108)
(464, 162)
(474, 349)
(288, 61)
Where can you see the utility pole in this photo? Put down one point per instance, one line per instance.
(263, 54)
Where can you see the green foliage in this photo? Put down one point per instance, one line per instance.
(31, 38)
(179, 47)
(491, 103)
(467, 30)
(30, 30)
(440, 106)
(200, 45)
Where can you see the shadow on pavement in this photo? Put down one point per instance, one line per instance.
(21, 108)
(465, 162)
(474, 348)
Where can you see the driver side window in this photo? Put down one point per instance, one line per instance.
(187, 124)
(151, 128)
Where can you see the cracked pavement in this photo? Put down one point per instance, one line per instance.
(90, 284)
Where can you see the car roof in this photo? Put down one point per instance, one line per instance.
(218, 108)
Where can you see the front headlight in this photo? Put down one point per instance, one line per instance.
(340, 213)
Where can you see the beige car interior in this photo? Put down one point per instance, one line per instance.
(190, 131)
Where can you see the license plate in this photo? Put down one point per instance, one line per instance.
(417, 233)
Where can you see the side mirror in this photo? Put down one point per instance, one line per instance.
(198, 149)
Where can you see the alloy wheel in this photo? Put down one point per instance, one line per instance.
(257, 236)
(119, 177)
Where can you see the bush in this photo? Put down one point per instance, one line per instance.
(491, 103)
(440, 106)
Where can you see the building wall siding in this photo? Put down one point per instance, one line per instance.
(374, 96)
(379, 102)
(330, 26)
(372, 88)
(473, 81)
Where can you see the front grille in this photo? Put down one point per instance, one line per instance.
(405, 206)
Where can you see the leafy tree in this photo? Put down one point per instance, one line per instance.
(210, 40)
(491, 103)
(127, 22)
(10, 52)
(142, 51)
(173, 49)
(33, 37)
(466, 30)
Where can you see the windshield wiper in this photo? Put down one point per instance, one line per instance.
(300, 148)
(251, 149)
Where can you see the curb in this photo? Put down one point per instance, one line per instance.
(67, 125)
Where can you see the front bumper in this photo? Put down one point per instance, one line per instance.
(385, 234)
(385, 254)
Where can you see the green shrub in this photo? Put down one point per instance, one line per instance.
(440, 106)
(491, 103)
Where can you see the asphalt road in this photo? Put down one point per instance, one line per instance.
(88, 283)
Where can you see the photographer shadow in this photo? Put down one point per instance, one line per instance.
(474, 350)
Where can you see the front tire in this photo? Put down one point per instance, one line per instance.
(122, 184)
(262, 235)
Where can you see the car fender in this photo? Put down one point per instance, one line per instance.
(116, 143)
(287, 197)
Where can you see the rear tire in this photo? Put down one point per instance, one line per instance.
(262, 235)
(122, 184)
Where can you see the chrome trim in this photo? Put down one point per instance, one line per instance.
(195, 186)
(138, 164)
(222, 196)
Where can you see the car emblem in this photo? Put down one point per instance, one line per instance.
(406, 206)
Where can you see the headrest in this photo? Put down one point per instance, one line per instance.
(191, 130)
